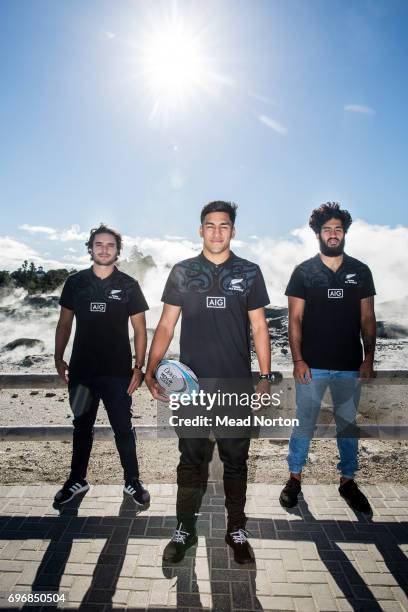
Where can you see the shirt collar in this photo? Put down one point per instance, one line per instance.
(102, 280)
(345, 261)
(211, 265)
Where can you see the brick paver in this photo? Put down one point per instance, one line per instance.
(103, 555)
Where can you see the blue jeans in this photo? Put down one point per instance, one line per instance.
(345, 391)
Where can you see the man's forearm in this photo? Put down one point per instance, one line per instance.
(160, 344)
(62, 334)
(140, 343)
(369, 336)
(263, 348)
(295, 339)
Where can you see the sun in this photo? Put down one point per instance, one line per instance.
(174, 65)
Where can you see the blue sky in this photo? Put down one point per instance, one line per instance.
(306, 103)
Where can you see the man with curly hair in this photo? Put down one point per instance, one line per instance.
(331, 307)
(102, 299)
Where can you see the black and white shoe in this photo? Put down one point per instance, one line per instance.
(136, 490)
(71, 488)
(178, 545)
(237, 539)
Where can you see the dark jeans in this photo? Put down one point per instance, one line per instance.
(84, 398)
(192, 476)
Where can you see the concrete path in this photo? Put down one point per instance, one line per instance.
(100, 555)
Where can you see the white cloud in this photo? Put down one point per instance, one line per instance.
(13, 253)
(110, 35)
(358, 108)
(272, 124)
(37, 229)
(165, 252)
(71, 234)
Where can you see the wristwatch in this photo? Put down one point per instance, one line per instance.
(270, 376)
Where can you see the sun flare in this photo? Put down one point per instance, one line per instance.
(175, 66)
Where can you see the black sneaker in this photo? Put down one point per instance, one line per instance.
(289, 495)
(237, 538)
(71, 488)
(178, 545)
(136, 490)
(354, 497)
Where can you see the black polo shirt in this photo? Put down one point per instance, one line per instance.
(331, 322)
(102, 308)
(215, 300)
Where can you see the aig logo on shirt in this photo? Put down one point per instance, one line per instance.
(98, 307)
(335, 293)
(215, 302)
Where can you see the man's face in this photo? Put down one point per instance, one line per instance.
(217, 232)
(332, 238)
(104, 249)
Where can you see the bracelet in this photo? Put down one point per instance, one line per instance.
(297, 360)
(138, 367)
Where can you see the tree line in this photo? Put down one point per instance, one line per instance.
(33, 279)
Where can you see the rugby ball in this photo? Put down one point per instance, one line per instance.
(176, 377)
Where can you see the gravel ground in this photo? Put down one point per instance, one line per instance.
(48, 462)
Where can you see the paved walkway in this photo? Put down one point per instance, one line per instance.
(100, 555)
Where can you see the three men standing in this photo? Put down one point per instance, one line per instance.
(220, 297)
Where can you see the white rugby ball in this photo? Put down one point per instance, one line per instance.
(176, 377)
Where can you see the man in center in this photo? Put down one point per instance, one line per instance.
(215, 344)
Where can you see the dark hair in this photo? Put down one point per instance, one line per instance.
(220, 206)
(329, 210)
(103, 229)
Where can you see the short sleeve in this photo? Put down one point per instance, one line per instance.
(296, 286)
(367, 289)
(258, 295)
(137, 302)
(67, 299)
(171, 294)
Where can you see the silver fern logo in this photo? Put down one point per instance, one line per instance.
(236, 285)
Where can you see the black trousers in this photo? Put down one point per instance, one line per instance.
(84, 399)
(192, 476)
